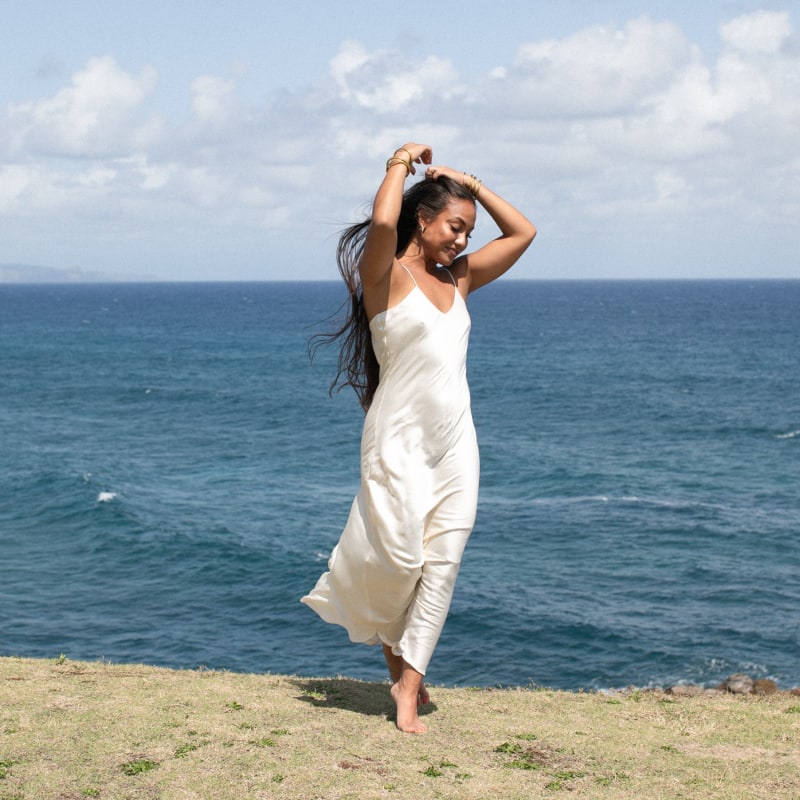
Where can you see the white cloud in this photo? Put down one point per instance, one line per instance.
(352, 56)
(153, 177)
(599, 70)
(638, 122)
(213, 99)
(386, 82)
(34, 189)
(95, 116)
(15, 183)
(761, 32)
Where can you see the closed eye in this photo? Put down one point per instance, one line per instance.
(458, 225)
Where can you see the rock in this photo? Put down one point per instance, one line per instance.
(685, 690)
(737, 684)
(765, 686)
(795, 692)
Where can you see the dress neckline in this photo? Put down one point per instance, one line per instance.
(452, 280)
(456, 295)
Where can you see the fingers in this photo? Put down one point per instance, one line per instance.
(437, 172)
(422, 155)
(419, 153)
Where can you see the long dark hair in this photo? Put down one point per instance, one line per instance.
(358, 367)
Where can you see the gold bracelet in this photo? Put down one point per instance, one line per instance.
(397, 160)
(472, 184)
(403, 150)
(476, 185)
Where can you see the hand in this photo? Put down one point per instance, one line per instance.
(437, 172)
(420, 154)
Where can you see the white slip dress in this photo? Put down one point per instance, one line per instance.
(391, 576)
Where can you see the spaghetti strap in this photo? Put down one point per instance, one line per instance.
(415, 280)
(409, 273)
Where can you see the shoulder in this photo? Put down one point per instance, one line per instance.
(459, 270)
(379, 296)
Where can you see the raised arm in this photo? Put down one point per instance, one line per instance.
(380, 244)
(498, 256)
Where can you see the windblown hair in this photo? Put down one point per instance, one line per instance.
(358, 367)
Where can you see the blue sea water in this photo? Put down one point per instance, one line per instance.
(173, 475)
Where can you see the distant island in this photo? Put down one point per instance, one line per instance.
(31, 273)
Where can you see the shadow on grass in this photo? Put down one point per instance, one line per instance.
(361, 697)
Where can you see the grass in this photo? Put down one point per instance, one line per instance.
(71, 730)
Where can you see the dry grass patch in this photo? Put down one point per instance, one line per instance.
(77, 730)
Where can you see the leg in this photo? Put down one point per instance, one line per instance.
(395, 665)
(446, 535)
(406, 693)
(428, 612)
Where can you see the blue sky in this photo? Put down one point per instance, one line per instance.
(211, 141)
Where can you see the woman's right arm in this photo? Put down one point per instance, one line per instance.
(380, 245)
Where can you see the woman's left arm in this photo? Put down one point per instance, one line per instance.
(498, 256)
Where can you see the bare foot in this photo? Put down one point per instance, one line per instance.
(407, 699)
(395, 665)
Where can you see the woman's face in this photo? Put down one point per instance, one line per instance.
(445, 235)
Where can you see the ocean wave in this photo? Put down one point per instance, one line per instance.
(624, 500)
(790, 435)
(106, 497)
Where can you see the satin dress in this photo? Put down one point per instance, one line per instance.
(391, 576)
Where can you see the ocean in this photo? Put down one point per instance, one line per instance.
(174, 474)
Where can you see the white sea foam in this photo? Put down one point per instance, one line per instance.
(790, 435)
(106, 497)
(553, 501)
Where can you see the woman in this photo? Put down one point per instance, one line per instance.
(392, 574)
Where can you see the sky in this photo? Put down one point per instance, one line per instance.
(233, 141)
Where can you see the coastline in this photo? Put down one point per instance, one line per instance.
(88, 729)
